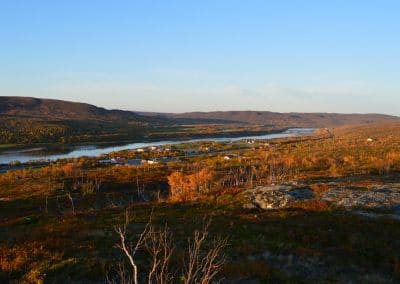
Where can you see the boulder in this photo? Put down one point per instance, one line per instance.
(275, 197)
(387, 198)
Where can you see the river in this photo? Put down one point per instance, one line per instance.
(43, 154)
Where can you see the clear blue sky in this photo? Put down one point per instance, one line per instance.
(176, 56)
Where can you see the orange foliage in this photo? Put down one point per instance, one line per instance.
(190, 187)
(70, 169)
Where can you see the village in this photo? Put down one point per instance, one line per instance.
(154, 154)
(180, 152)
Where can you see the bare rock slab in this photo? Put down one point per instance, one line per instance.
(275, 197)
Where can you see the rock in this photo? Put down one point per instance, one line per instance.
(284, 195)
(275, 197)
(388, 198)
(302, 194)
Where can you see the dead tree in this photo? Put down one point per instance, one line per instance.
(201, 264)
(130, 249)
(159, 246)
(201, 267)
(72, 202)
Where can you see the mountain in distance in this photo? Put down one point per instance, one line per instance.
(26, 121)
(50, 109)
(280, 120)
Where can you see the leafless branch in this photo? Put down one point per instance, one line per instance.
(129, 249)
(203, 266)
(72, 202)
(160, 247)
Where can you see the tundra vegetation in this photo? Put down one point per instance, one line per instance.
(199, 219)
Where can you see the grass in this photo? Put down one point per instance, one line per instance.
(54, 245)
(79, 243)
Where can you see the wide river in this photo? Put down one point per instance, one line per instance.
(44, 154)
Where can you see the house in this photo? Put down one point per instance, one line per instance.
(370, 140)
(169, 159)
(114, 161)
(140, 150)
(119, 160)
(191, 153)
(134, 162)
(229, 156)
(109, 161)
(153, 148)
(152, 162)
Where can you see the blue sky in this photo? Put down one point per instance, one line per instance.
(176, 56)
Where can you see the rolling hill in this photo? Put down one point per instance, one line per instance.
(63, 110)
(283, 120)
(25, 120)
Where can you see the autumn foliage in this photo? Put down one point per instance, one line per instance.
(190, 187)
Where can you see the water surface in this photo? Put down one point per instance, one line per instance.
(44, 154)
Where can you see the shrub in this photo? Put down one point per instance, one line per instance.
(190, 187)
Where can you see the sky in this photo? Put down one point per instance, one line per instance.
(204, 55)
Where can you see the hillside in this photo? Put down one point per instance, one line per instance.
(282, 120)
(62, 110)
(25, 120)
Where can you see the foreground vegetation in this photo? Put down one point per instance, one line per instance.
(57, 223)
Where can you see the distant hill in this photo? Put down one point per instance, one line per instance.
(282, 120)
(63, 110)
(49, 109)
(26, 121)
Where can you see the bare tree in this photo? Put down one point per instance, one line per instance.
(72, 202)
(202, 266)
(131, 249)
(160, 247)
(141, 190)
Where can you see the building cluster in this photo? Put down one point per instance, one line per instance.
(138, 162)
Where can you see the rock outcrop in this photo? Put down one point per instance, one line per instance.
(275, 197)
(281, 196)
(387, 197)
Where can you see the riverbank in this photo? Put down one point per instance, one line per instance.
(145, 139)
(92, 150)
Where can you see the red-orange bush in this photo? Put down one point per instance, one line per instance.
(190, 187)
